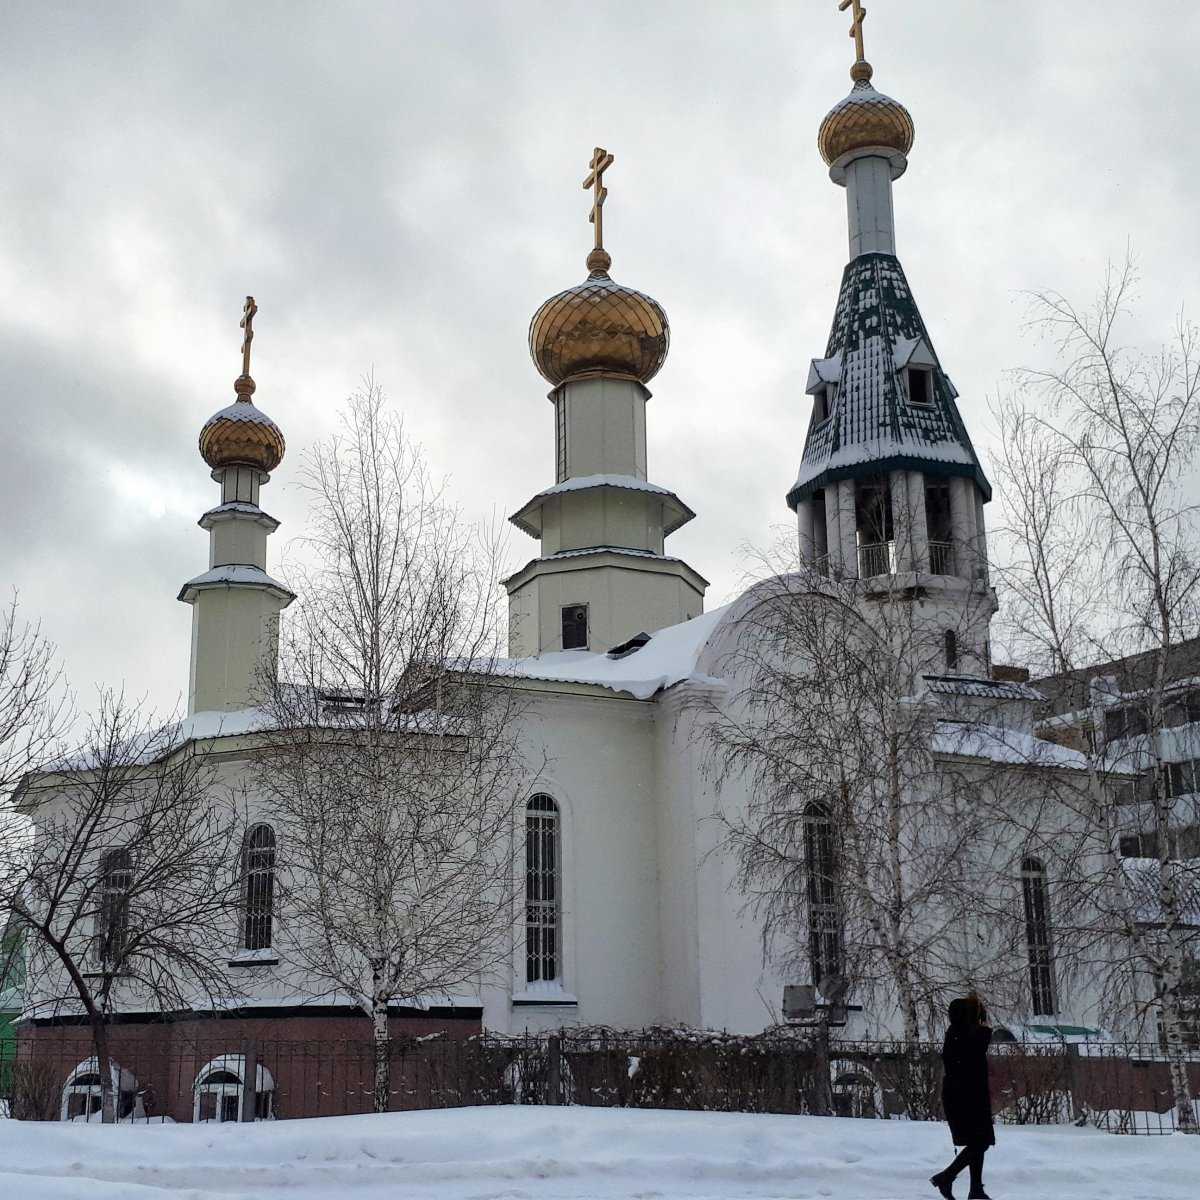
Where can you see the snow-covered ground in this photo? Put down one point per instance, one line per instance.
(545, 1153)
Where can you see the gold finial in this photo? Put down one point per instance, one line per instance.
(856, 29)
(243, 384)
(247, 323)
(601, 161)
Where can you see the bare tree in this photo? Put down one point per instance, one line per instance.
(1048, 547)
(123, 880)
(1120, 428)
(853, 844)
(35, 707)
(395, 766)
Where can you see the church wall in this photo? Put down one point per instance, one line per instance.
(228, 622)
(606, 427)
(658, 598)
(600, 770)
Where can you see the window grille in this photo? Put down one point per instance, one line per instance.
(824, 915)
(1037, 936)
(543, 885)
(258, 887)
(116, 879)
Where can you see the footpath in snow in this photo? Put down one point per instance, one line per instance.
(545, 1153)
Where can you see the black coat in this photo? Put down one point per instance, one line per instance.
(966, 1097)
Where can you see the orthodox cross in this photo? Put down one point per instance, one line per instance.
(247, 323)
(856, 29)
(601, 161)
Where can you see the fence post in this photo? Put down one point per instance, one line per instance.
(554, 1069)
(823, 1096)
(249, 1079)
(1071, 1066)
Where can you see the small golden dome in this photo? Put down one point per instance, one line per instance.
(599, 328)
(865, 118)
(242, 434)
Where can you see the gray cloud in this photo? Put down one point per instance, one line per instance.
(398, 184)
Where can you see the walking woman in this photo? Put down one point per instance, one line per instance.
(966, 1098)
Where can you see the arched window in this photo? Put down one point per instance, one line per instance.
(220, 1090)
(258, 886)
(112, 928)
(1037, 936)
(824, 912)
(543, 891)
(951, 650)
(82, 1098)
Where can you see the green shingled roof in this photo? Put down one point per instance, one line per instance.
(871, 427)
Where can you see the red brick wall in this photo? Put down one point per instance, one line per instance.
(322, 1065)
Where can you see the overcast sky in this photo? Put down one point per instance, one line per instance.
(398, 184)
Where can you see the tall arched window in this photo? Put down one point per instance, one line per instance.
(824, 912)
(951, 650)
(1037, 936)
(543, 890)
(258, 886)
(112, 929)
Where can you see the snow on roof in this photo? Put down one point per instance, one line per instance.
(583, 483)
(668, 658)
(876, 327)
(984, 689)
(974, 739)
(234, 508)
(233, 575)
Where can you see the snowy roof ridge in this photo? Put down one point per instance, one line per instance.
(877, 328)
(996, 743)
(234, 575)
(681, 515)
(668, 658)
(978, 686)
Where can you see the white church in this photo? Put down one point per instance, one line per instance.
(638, 921)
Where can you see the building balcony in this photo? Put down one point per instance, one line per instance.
(941, 558)
(878, 558)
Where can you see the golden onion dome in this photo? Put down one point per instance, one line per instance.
(865, 118)
(242, 434)
(599, 327)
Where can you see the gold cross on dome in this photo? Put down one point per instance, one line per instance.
(247, 323)
(856, 29)
(601, 161)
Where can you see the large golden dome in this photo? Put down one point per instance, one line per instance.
(599, 327)
(242, 434)
(866, 118)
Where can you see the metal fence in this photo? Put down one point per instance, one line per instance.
(1120, 1087)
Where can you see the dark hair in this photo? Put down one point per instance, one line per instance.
(966, 1010)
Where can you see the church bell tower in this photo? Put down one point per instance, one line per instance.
(890, 491)
(602, 576)
(235, 603)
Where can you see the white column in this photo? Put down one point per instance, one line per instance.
(833, 533)
(804, 521)
(920, 526)
(869, 207)
(981, 548)
(962, 526)
(847, 528)
(901, 520)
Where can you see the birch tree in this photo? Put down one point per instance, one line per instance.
(395, 767)
(1122, 428)
(852, 847)
(123, 881)
(35, 706)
